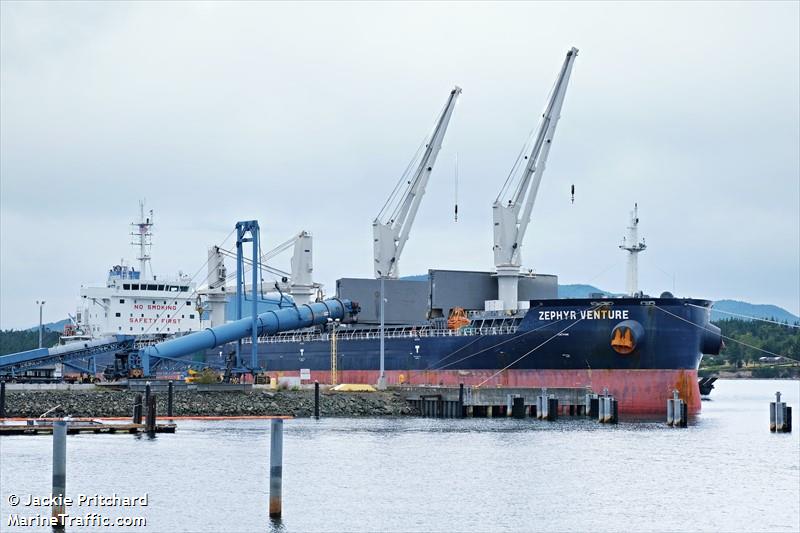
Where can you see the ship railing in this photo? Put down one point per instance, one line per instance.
(389, 333)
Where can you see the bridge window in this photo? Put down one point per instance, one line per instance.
(188, 302)
(184, 289)
(131, 328)
(135, 287)
(122, 301)
(191, 316)
(142, 315)
(118, 314)
(161, 287)
(126, 286)
(152, 287)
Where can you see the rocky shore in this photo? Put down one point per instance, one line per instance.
(111, 403)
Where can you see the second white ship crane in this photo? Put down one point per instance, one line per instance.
(298, 283)
(514, 204)
(392, 225)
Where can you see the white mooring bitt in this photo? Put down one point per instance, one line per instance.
(670, 412)
(780, 415)
(676, 411)
(542, 407)
(601, 406)
(779, 412)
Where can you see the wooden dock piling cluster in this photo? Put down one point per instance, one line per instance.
(518, 403)
(546, 407)
(780, 416)
(677, 412)
(607, 408)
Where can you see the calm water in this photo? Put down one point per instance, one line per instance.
(726, 472)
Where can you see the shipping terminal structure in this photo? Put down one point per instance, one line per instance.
(500, 328)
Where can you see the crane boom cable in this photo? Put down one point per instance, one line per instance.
(403, 179)
(414, 162)
(526, 147)
(405, 206)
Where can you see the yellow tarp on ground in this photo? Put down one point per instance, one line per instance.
(353, 387)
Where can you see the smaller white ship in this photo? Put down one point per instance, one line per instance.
(131, 302)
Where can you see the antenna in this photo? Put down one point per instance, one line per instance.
(143, 238)
(633, 246)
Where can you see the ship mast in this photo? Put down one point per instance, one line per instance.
(513, 206)
(143, 235)
(633, 246)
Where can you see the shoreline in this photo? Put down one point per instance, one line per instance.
(257, 403)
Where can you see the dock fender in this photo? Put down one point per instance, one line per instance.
(712, 340)
(626, 336)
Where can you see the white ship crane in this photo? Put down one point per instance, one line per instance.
(513, 206)
(633, 246)
(393, 224)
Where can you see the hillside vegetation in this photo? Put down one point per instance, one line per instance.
(12, 341)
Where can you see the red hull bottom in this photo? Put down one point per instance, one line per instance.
(638, 391)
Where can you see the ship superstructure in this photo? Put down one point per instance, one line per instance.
(131, 302)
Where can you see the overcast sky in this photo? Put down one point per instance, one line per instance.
(303, 117)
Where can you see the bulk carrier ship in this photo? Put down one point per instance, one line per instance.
(482, 329)
(501, 328)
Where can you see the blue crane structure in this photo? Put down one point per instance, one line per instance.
(269, 323)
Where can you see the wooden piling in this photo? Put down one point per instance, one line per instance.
(150, 422)
(552, 409)
(518, 408)
(460, 400)
(772, 417)
(594, 406)
(59, 473)
(169, 398)
(275, 467)
(670, 412)
(316, 400)
(2, 399)
(137, 409)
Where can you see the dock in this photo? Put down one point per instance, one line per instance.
(459, 402)
(45, 427)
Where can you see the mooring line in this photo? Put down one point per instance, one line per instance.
(725, 336)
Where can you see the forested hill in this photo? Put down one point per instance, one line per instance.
(12, 341)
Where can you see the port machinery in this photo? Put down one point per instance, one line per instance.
(140, 362)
